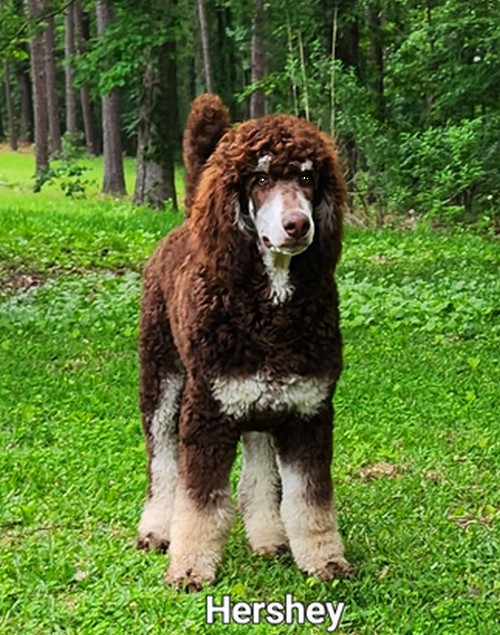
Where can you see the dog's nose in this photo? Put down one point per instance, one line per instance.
(296, 224)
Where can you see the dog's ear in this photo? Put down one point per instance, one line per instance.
(215, 221)
(330, 202)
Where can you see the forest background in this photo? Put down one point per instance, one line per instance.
(409, 88)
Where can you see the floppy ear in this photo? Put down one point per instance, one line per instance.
(330, 201)
(216, 232)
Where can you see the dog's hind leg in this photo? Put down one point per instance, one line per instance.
(304, 450)
(259, 494)
(161, 385)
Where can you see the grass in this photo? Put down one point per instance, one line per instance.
(417, 435)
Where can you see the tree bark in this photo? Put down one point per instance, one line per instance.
(347, 50)
(41, 118)
(69, 52)
(205, 45)
(258, 98)
(332, 72)
(10, 107)
(51, 80)
(155, 182)
(227, 62)
(91, 141)
(114, 178)
(303, 72)
(377, 60)
(26, 102)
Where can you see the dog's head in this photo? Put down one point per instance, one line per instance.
(274, 182)
(279, 206)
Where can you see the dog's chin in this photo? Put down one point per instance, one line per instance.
(289, 248)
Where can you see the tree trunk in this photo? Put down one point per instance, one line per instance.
(347, 50)
(258, 99)
(91, 141)
(332, 71)
(349, 37)
(155, 181)
(430, 97)
(51, 80)
(226, 61)
(377, 62)
(10, 106)
(69, 52)
(303, 72)
(41, 118)
(205, 46)
(291, 54)
(25, 96)
(114, 178)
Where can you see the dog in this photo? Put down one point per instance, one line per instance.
(240, 340)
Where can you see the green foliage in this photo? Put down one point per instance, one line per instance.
(118, 59)
(443, 170)
(429, 142)
(419, 288)
(439, 152)
(68, 171)
(67, 174)
(12, 27)
(73, 146)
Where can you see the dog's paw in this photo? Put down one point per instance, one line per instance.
(152, 542)
(267, 538)
(190, 580)
(337, 567)
(272, 549)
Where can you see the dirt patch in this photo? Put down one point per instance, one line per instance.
(13, 281)
(23, 148)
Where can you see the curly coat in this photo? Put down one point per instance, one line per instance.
(222, 360)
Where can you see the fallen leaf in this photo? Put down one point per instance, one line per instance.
(433, 475)
(378, 470)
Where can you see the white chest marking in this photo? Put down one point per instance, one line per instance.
(240, 397)
(278, 271)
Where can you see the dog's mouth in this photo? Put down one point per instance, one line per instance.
(289, 247)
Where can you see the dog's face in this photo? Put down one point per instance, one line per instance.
(281, 207)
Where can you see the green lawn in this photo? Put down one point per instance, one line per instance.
(417, 431)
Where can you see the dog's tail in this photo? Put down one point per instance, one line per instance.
(208, 120)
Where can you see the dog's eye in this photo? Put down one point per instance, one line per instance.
(262, 179)
(305, 179)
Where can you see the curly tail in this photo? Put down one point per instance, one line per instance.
(208, 120)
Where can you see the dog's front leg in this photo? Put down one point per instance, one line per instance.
(308, 507)
(259, 494)
(203, 509)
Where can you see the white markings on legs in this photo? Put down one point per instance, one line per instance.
(197, 539)
(259, 493)
(314, 540)
(154, 527)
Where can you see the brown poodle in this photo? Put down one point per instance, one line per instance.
(240, 340)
